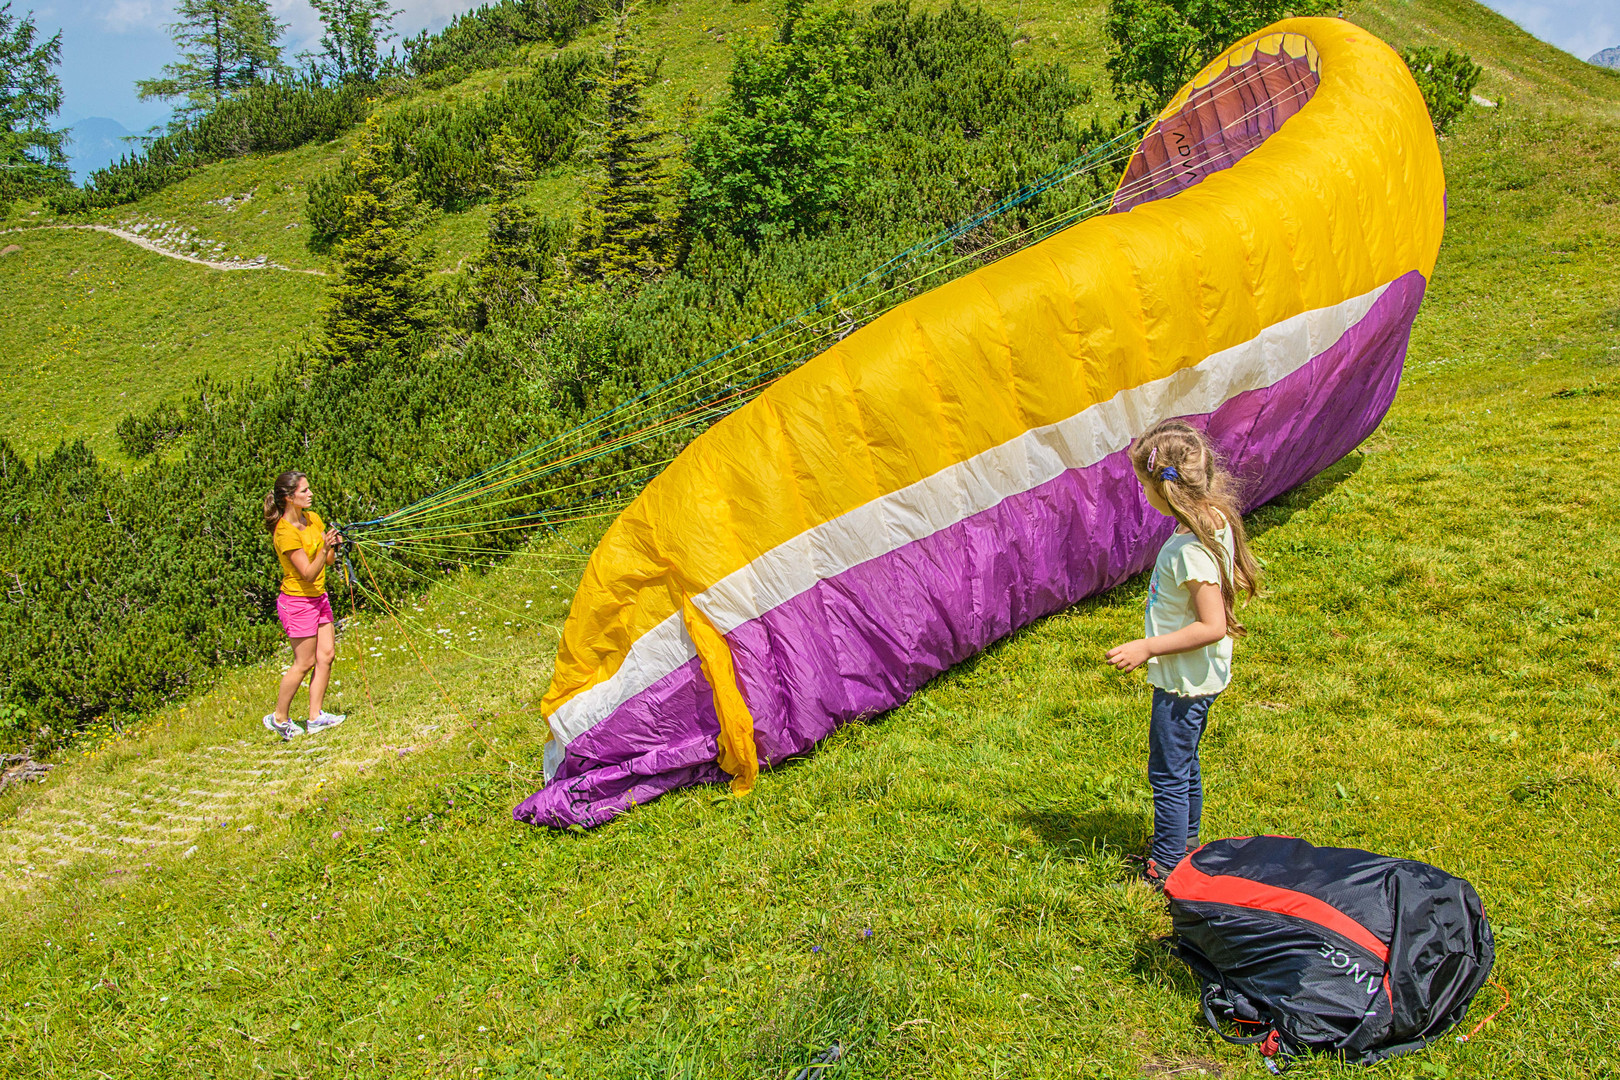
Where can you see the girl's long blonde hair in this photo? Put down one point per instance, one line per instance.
(1182, 465)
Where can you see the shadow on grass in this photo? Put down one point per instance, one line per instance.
(1106, 831)
(1111, 832)
(1263, 519)
(1154, 960)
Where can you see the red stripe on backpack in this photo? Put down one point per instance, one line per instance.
(1188, 883)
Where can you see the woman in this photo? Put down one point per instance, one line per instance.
(306, 548)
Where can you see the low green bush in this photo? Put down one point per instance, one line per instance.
(961, 121)
(22, 184)
(1155, 46)
(269, 117)
(891, 118)
(492, 34)
(15, 723)
(1447, 80)
(144, 434)
(450, 151)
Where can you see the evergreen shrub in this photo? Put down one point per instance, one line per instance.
(893, 119)
(17, 185)
(267, 118)
(492, 34)
(449, 150)
(1447, 80)
(142, 435)
(961, 121)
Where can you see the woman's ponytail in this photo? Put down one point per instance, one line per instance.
(275, 501)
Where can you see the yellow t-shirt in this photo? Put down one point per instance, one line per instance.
(287, 538)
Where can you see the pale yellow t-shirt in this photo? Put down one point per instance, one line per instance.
(1170, 607)
(310, 537)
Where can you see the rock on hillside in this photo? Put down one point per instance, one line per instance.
(1609, 58)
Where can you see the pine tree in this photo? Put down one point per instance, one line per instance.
(625, 230)
(258, 36)
(521, 251)
(510, 164)
(30, 94)
(379, 297)
(355, 33)
(225, 46)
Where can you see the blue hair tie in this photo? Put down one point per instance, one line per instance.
(1169, 473)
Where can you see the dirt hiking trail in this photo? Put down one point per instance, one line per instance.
(257, 263)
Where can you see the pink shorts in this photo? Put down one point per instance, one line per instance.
(301, 616)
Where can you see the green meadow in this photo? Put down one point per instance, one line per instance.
(96, 328)
(943, 890)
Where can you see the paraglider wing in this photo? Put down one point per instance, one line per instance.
(956, 469)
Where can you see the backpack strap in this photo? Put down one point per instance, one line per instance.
(1273, 1050)
(1214, 999)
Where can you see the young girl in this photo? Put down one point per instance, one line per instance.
(306, 548)
(1189, 624)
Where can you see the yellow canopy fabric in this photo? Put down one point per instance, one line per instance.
(951, 471)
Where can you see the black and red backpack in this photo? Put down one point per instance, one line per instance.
(1331, 950)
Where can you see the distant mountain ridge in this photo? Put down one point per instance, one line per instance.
(96, 142)
(1609, 58)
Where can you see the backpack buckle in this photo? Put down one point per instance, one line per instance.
(1271, 1052)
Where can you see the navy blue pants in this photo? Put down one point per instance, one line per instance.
(1178, 789)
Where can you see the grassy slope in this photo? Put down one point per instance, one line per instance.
(106, 331)
(1428, 676)
(95, 328)
(1519, 69)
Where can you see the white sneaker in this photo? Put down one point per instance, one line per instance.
(325, 720)
(285, 728)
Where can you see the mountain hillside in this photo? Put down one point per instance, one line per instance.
(252, 208)
(1609, 58)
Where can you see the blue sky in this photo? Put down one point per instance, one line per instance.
(1583, 27)
(108, 44)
